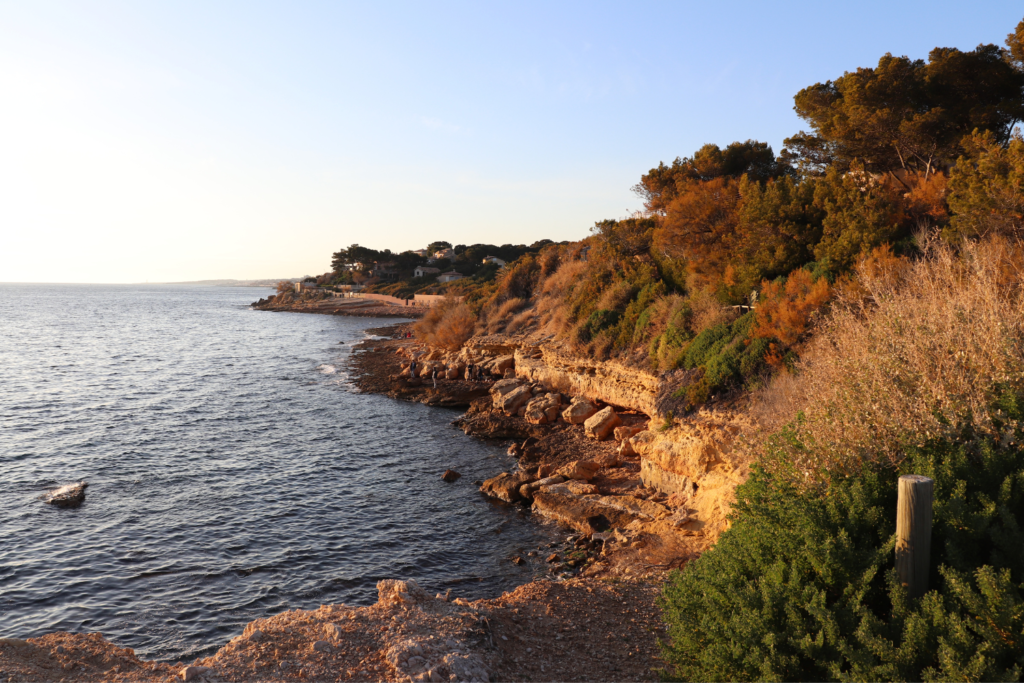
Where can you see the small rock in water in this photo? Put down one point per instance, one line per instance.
(67, 496)
(518, 560)
(450, 476)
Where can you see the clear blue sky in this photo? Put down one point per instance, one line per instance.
(190, 140)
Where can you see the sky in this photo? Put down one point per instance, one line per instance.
(175, 141)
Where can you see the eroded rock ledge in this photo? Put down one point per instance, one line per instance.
(563, 408)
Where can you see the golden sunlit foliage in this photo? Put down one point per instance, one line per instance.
(784, 309)
(740, 252)
(447, 325)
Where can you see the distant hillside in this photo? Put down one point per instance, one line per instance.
(236, 283)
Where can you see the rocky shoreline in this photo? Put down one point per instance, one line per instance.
(637, 494)
(578, 463)
(360, 308)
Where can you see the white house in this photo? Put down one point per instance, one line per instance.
(493, 259)
(423, 271)
(449, 276)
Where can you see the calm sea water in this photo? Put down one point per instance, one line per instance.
(233, 472)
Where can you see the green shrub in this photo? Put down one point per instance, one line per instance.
(727, 353)
(803, 586)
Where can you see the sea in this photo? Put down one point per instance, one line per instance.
(233, 471)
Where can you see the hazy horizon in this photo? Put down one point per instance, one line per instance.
(199, 141)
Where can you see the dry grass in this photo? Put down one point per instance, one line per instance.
(550, 304)
(447, 325)
(497, 316)
(708, 311)
(915, 351)
(524, 320)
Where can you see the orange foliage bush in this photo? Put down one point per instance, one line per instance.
(927, 197)
(447, 325)
(784, 310)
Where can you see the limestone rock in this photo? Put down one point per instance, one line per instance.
(579, 411)
(582, 513)
(601, 424)
(511, 402)
(391, 591)
(627, 431)
(576, 487)
(537, 410)
(526, 490)
(502, 387)
(191, 673)
(580, 469)
(505, 486)
(450, 476)
(503, 363)
(593, 513)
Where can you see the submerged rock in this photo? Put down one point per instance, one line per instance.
(67, 496)
(450, 476)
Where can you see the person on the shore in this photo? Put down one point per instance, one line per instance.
(469, 372)
(433, 375)
(412, 369)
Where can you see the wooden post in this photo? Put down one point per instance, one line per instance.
(914, 532)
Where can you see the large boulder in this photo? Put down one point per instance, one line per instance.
(506, 486)
(515, 399)
(593, 513)
(502, 387)
(540, 408)
(601, 424)
(580, 469)
(578, 411)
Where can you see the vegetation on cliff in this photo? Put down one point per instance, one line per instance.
(917, 366)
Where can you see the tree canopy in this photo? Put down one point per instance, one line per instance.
(910, 115)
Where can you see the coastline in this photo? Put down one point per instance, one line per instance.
(589, 623)
(360, 308)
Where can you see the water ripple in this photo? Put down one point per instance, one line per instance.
(232, 472)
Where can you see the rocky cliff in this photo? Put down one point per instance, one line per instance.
(551, 363)
(697, 459)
